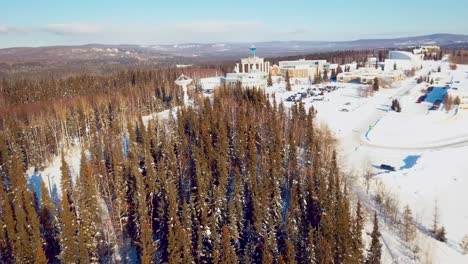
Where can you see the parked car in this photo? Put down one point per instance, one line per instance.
(421, 99)
(433, 108)
(387, 167)
(348, 103)
(344, 110)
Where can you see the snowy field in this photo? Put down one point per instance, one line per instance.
(418, 127)
(428, 149)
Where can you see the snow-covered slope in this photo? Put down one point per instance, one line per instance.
(51, 174)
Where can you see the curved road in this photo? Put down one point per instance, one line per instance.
(359, 134)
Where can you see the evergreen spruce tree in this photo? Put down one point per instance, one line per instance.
(408, 231)
(228, 254)
(89, 216)
(288, 81)
(311, 257)
(269, 80)
(69, 233)
(343, 230)
(357, 243)
(290, 254)
(146, 244)
(374, 252)
(24, 252)
(27, 221)
(325, 75)
(174, 242)
(333, 73)
(83, 252)
(339, 70)
(4, 251)
(325, 240)
(464, 245)
(9, 232)
(49, 231)
(40, 255)
(185, 231)
(145, 237)
(376, 84)
(441, 235)
(435, 219)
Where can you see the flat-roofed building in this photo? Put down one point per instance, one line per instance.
(210, 83)
(300, 68)
(367, 75)
(402, 60)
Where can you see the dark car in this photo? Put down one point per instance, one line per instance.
(433, 108)
(430, 89)
(421, 99)
(387, 167)
(437, 103)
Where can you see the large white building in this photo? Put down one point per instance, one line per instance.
(403, 60)
(302, 64)
(367, 75)
(210, 83)
(301, 68)
(251, 72)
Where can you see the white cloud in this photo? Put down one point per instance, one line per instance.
(4, 29)
(215, 26)
(203, 31)
(188, 31)
(72, 29)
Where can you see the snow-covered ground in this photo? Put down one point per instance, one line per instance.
(51, 174)
(160, 115)
(428, 149)
(416, 126)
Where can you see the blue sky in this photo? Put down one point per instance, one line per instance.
(54, 22)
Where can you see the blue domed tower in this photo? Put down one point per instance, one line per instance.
(253, 49)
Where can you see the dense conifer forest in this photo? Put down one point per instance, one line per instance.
(236, 178)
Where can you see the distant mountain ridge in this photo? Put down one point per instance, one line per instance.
(275, 48)
(192, 52)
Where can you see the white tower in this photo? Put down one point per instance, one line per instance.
(184, 81)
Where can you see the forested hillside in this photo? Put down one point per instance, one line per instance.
(234, 179)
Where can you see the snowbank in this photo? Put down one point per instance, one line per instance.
(51, 174)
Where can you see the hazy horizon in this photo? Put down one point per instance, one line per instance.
(222, 42)
(27, 23)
